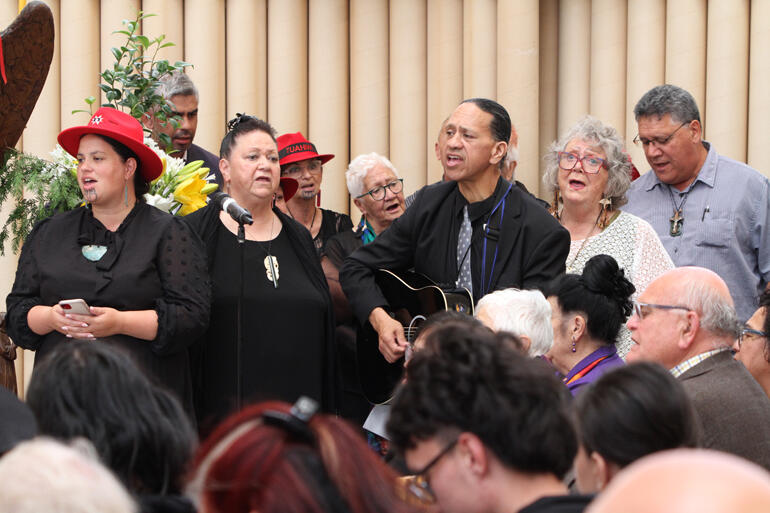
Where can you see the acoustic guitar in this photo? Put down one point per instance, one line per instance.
(412, 298)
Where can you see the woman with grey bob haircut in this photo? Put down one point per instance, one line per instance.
(589, 173)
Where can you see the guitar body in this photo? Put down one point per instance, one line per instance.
(412, 297)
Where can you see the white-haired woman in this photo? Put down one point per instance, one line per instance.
(378, 192)
(589, 173)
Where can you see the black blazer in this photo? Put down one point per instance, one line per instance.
(531, 250)
(210, 161)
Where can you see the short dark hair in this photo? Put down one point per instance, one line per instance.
(764, 302)
(141, 186)
(623, 415)
(668, 99)
(95, 391)
(501, 121)
(602, 293)
(471, 379)
(243, 124)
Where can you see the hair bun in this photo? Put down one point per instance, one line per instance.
(602, 275)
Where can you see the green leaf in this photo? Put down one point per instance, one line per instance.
(90, 100)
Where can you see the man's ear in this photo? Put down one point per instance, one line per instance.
(148, 121)
(498, 152)
(473, 454)
(602, 470)
(690, 325)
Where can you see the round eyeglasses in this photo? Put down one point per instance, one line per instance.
(378, 193)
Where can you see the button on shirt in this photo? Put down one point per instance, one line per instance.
(725, 226)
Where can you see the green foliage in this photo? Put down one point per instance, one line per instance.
(38, 188)
(130, 84)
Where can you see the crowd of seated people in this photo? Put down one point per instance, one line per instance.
(214, 368)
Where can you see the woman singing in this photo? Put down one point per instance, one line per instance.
(141, 270)
(287, 320)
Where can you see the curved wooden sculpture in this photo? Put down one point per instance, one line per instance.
(27, 50)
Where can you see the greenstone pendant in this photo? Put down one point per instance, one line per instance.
(93, 252)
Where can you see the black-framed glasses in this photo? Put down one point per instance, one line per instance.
(657, 141)
(589, 163)
(419, 484)
(378, 193)
(747, 332)
(643, 309)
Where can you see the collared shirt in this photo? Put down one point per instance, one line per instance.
(688, 364)
(726, 215)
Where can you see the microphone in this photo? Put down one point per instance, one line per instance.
(229, 205)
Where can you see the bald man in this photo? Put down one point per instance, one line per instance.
(687, 481)
(685, 320)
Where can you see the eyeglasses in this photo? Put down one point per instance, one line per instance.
(657, 141)
(589, 163)
(378, 193)
(643, 309)
(298, 169)
(419, 484)
(747, 332)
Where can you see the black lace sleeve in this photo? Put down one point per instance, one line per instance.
(24, 295)
(183, 310)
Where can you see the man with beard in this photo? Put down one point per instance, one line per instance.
(181, 93)
(300, 160)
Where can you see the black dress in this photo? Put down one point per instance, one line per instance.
(153, 262)
(331, 223)
(287, 348)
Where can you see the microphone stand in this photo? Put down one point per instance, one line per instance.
(239, 322)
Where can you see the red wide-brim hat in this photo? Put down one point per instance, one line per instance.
(289, 186)
(295, 148)
(123, 128)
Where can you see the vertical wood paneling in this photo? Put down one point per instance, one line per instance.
(168, 20)
(608, 62)
(80, 59)
(445, 72)
(328, 108)
(759, 77)
(112, 13)
(408, 57)
(686, 47)
(518, 76)
(246, 84)
(574, 61)
(480, 48)
(549, 77)
(727, 69)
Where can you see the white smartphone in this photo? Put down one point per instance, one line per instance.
(75, 306)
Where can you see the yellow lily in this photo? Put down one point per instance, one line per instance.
(188, 193)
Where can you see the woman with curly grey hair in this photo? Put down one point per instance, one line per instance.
(589, 172)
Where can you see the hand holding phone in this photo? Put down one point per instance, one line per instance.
(75, 306)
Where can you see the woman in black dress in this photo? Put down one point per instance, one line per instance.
(287, 322)
(141, 270)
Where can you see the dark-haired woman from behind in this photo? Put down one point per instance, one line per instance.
(628, 413)
(587, 313)
(273, 458)
(140, 431)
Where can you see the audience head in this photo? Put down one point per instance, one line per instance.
(525, 313)
(95, 391)
(272, 458)
(683, 313)
(687, 481)
(182, 95)
(17, 423)
(589, 136)
(376, 188)
(752, 348)
(42, 475)
(623, 416)
(474, 408)
(669, 131)
(588, 308)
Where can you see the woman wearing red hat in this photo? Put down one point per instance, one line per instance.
(287, 322)
(139, 269)
(301, 161)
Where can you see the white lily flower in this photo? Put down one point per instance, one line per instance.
(160, 202)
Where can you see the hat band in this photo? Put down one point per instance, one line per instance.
(300, 147)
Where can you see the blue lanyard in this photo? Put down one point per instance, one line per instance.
(485, 287)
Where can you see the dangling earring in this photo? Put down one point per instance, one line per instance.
(554, 210)
(273, 200)
(574, 348)
(606, 204)
(125, 194)
(318, 199)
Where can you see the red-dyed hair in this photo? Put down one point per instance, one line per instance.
(247, 465)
